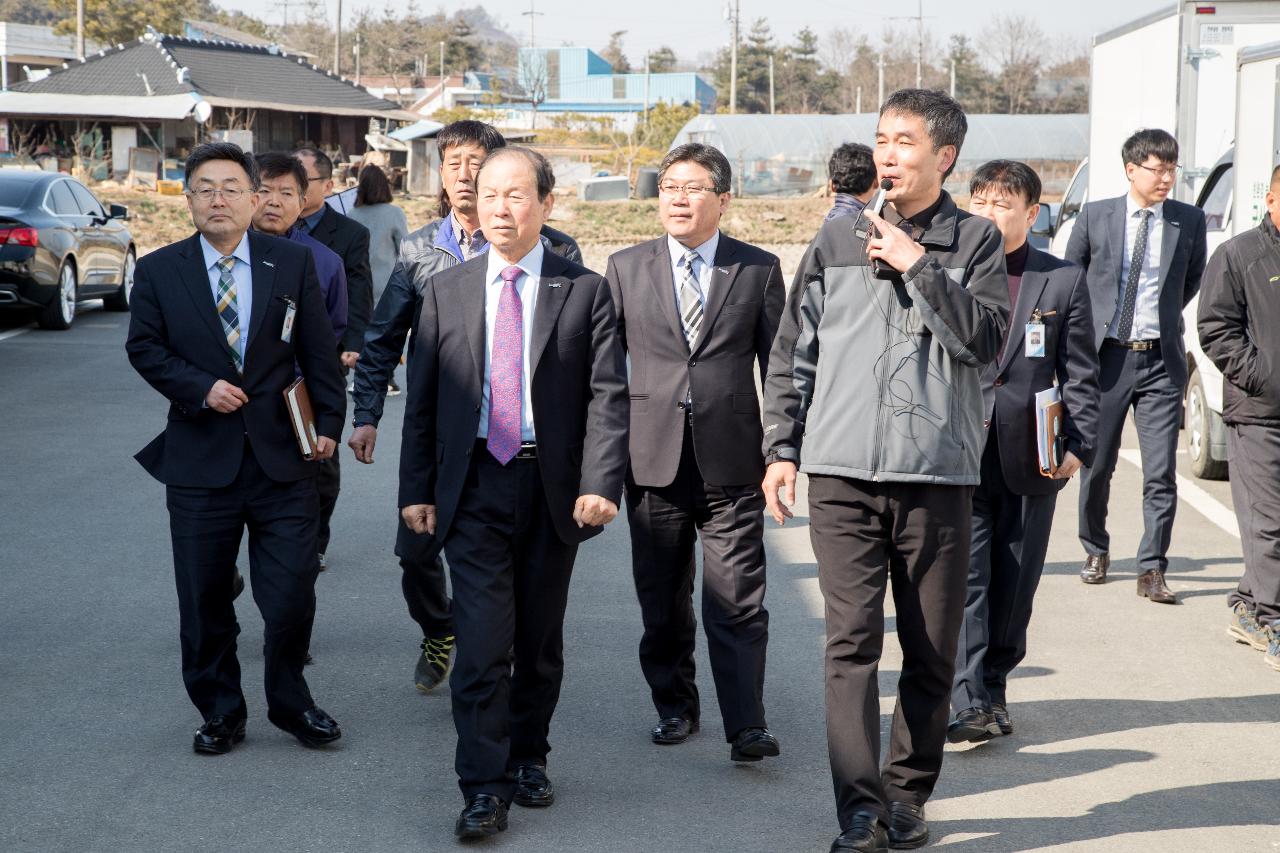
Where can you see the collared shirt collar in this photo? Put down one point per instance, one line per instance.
(1131, 207)
(314, 219)
(459, 232)
(531, 263)
(211, 255)
(706, 251)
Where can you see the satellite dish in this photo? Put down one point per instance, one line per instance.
(203, 111)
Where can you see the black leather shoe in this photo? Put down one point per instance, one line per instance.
(218, 735)
(237, 585)
(907, 829)
(484, 815)
(533, 788)
(1000, 712)
(972, 725)
(753, 744)
(866, 834)
(672, 730)
(1151, 585)
(1095, 568)
(313, 727)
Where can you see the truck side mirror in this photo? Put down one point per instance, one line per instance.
(1043, 226)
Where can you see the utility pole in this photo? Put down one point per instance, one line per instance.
(880, 67)
(733, 56)
(531, 13)
(80, 29)
(284, 16)
(771, 110)
(858, 108)
(356, 50)
(442, 66)
(953, 78)
(337, 42)
(920, 46)
(646, 87)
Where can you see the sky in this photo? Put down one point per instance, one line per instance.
(696, 27)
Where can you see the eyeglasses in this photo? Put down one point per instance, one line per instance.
(1162, 171)
(311, 180)
(206, 194)
(693, 191)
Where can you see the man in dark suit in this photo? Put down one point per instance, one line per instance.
(514, 452)
(221, 323)
(350, 240)
(1143, 254)
(697, 311)
(1050, 339)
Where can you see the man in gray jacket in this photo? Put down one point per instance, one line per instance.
(874, 391)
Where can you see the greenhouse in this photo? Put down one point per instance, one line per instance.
(786, 155)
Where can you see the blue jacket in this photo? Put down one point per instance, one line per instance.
(333, 279)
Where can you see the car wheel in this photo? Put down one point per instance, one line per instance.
(119, 301)
(61, 310)
(1199, 429)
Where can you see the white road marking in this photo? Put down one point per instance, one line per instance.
(13, 333)
(1200, 500)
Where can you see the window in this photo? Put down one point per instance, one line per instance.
(88, 204)
(1074, 199)
(61, 201)
(1215, 201)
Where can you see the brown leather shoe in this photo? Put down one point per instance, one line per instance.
(1095, 568)
(1151, 585)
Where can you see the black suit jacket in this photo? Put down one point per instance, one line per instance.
(350, 240)
(578, 385)
(1009, 385)
(1097, 244)
(177, 345)
(744, 304)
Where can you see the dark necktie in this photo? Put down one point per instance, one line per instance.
(506, 371)
(1125, 329)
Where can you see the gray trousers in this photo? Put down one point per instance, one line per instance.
(1137, 381)
(1255, 491)
(1006, 557)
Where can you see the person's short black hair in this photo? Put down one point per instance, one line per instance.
(1275, 178)
(469, 132)
(544, 175)
(1011, 176)
(707, 157)
(207, 151)
(324, 166)
(373, 186)
(851, 169)
(1148, 141)
(943, 117)
(277, 164)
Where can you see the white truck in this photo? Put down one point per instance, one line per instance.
(1176, 69)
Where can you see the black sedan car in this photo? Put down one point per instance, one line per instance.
(58, 246)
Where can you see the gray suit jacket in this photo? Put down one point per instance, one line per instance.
(743, 308)
(578, 386)
(1097, 244)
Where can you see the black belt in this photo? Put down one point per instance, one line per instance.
(528, 450)
(1133, 346)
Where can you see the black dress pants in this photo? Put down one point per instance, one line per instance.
(913, 537)
(510, 572)
(1137, 381)
(1255, 491)
(666, 524)
(1006, 557)
(328, 483)
(206, 526)
(423, 583)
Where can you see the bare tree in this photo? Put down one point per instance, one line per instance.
(1017, 45)
(532, 79)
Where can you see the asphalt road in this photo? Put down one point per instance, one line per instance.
(1140, 727)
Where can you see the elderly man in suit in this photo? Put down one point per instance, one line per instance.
(221, 323)
(514, 453)
(1144, 254)
(697, 311)
(1050, 339)
(350, 240)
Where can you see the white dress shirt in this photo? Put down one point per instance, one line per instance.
(242, 272)
(706, 255)
(1146, 308)
(527, 287)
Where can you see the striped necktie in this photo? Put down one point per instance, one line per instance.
(229, 311)
(690, 298)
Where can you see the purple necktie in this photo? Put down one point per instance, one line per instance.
(506, 372)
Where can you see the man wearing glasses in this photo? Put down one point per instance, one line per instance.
(697, 311)
(1143, 254)
(221, 323)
